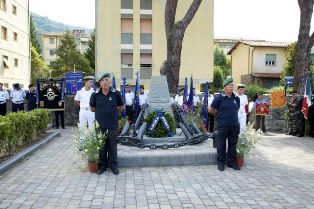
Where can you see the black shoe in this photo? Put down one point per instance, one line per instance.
(63, 127)
(115, 171)
(221, 167)
(234, 166)
(100, 170)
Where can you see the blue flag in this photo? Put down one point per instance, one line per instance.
(191, 95)
(62, 89)
(37, 92)
(185, 94)
(136, 97)
(205, 105)
(123, 114)
(114, 83)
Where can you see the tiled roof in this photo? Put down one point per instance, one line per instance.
(260, 43)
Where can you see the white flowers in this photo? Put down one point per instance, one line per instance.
(89, 140)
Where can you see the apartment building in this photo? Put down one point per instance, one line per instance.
(14, 43)
(130, 38)
(51, 41)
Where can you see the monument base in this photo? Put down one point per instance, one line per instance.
(198, 154)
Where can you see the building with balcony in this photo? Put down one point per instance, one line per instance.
(51, 41)
(130, 38)
(14, 43)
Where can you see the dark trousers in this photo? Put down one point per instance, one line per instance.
(17, 107)
(61, 115)
(259, 119)
(129, 112)
(31, 106)
(211, 123)
(108, 153)
(3, 109)
(231, 133)
(311, 120)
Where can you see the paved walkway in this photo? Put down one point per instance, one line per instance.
(280, 175)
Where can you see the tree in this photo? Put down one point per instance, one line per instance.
(69, 57)
(221, 60)
(304, 45)
(174, 34)
(288, 69)
(38, 67)
(218, 79)
(34, 40)
(90, 52)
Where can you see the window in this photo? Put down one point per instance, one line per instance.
(126, 25)
(16, 62)
(126, 4)
(126, 60)
(4, 32)
(126, 38)
(3, 5)
(14, 9)
(146, 4)
(52, 52)
(5, 60)
(270, 60)
(15, 36)
(51, 41)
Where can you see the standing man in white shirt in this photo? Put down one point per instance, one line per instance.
(179, 98)
(243, 110)
(196, 99)
(129, 100)
(82, 99)
(17, 94)
(142, 97)
(4, 96)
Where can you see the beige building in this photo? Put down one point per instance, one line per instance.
(130, 37)
(14, 43)
(258, 62)
(51, 41)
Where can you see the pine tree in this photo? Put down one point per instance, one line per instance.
(69, 57)
(34, 40)
(90, 52)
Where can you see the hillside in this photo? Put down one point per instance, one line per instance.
(44, 24)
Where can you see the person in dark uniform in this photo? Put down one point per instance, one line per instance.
(300, 123)
(107, 103)
(4, 96)
(225, 107)
(31, 98)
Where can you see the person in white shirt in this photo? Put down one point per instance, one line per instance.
(243, 110)
(17, 94)
(179, 98)
(196, 99)
(4, 96)
(129, 100)
(211, 118)
(82, 99)
(142, 96)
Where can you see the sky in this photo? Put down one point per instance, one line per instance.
(274, 20)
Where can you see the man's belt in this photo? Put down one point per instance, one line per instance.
(85, 108)
(2, 102)
(18, 102)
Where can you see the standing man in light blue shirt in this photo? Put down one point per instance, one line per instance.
(17, 94)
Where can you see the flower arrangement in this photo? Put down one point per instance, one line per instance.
(160, 130)
(89, 140)
(246, 142)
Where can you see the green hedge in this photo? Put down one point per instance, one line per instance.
(18, 129)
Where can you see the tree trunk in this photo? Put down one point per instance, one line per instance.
(175, 34)
(304, 45)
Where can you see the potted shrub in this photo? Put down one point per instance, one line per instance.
(246, 143)
(88, 142)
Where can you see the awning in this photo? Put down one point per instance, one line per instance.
(266, 75)
(5, 62)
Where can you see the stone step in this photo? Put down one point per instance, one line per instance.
(198, 154)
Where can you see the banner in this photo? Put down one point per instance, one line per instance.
(262, 109)
(205, 105)
(278, 99)
(50, 94)
(74, 82)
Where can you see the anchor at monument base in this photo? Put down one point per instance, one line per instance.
(159, 101)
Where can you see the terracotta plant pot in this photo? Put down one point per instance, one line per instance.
(92, 166)
(240, 162)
